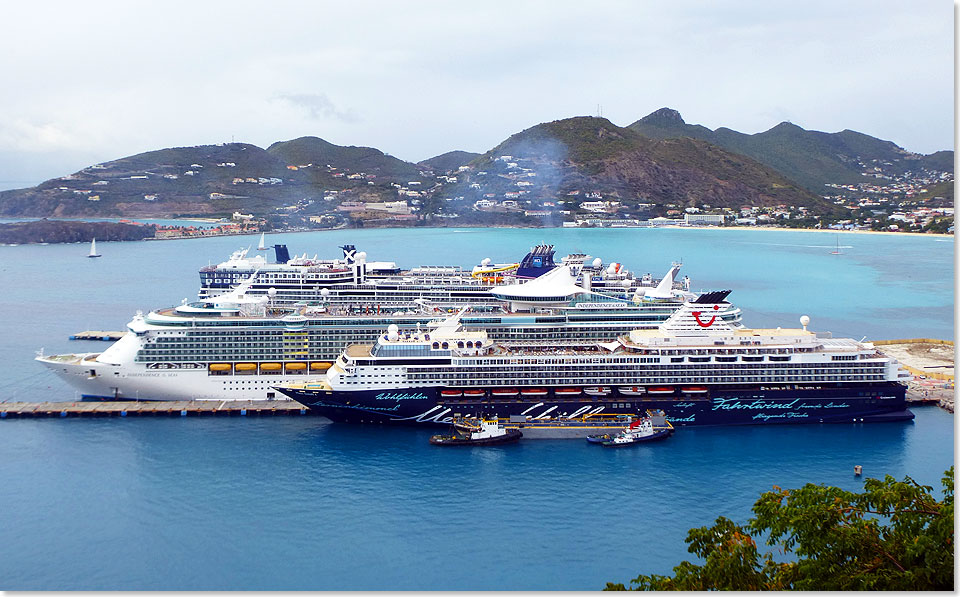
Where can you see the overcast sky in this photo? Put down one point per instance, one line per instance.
(85, 82)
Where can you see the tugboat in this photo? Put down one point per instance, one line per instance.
(639, 431)
(654, 426)
(472, 432)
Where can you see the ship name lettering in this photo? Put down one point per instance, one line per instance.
(738, 404)
(785, 415)
(399, 396)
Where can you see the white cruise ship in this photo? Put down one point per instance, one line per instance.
(239, 345)
(354, 280)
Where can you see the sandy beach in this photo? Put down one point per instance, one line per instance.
(780, 229)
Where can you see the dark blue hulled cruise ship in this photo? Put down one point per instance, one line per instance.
(697, 367)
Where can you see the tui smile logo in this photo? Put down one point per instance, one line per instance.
(696, 315)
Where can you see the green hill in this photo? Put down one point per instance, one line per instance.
(811, 158)
(450, 161)
(588, 154)
(320, 153)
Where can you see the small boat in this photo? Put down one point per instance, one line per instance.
(533, 392)
(504, 392)
(261, 246)
(637, 432)
(567, 391)
(93, 249)
(474, 393)
(837, 251)
(597, 391)
(472, 432)
(632, 390)
(660, 390)
(694, 389)
(451, 393)
(599, 438)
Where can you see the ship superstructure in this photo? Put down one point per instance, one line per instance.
(697, 367)
(238, 345)
(353, 279)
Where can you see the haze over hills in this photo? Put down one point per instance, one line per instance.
(593, 155)
(546, 174)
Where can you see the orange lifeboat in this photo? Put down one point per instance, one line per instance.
(660, 390)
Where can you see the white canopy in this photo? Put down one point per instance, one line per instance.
(556, 283)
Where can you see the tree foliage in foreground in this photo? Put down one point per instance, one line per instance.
(895, 535)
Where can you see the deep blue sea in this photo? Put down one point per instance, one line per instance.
(292, 503)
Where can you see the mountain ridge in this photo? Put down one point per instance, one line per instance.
(656, 164)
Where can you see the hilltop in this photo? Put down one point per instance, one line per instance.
(811, 158)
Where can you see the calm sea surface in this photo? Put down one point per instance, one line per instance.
(297, 503)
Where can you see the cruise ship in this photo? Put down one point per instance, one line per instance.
(239, 345)
(353, 279)
(697, 367)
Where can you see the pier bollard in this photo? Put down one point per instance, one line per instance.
(857, 470)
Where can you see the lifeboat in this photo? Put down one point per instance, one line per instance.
(567, 391)
(533, 392)
(220, 366)
(694, 389)
(597, 390)
(660, 390)
(296, 366)
(474, 393)
(270, 366)
(245, 366)
(451, 393)
(504, 392)
(320, 366)
(632, 390)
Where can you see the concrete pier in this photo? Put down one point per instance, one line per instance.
(183, 408)
(97, 335)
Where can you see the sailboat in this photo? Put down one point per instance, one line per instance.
(260, 247)
(93, 249)
(837, 251)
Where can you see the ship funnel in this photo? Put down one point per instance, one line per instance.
(282, 254)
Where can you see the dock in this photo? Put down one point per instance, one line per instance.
(181, 408)
(97, 335)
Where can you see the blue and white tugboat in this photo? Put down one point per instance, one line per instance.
(474, 432)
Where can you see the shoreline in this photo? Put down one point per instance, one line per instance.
(779, 229)
(341, 227)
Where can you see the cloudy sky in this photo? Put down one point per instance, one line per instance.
(90, 81)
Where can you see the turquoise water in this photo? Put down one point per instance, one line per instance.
(161, 222)
(294, 503)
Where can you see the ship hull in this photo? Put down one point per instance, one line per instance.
(728, 405)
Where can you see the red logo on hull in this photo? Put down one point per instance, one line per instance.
(696, 315)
